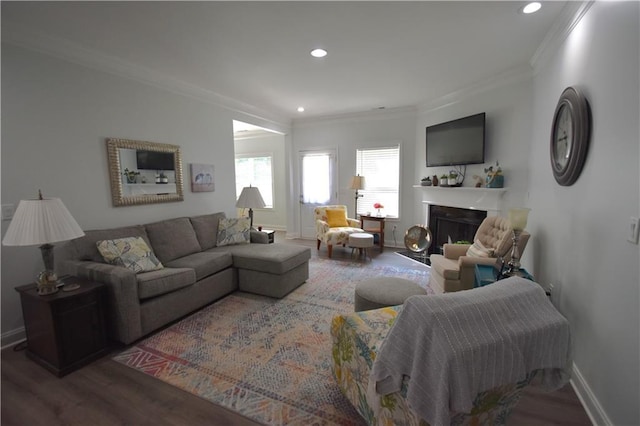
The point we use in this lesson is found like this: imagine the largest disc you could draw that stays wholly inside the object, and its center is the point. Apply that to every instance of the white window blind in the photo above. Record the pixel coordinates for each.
(255, 170)
(381, 170)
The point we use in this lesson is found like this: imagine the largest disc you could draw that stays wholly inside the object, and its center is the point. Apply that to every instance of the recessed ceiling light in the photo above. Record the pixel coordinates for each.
(318, 53)
(300, 109)
(532, 7)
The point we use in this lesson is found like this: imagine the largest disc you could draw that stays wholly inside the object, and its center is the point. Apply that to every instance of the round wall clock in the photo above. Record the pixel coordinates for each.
(570, 133)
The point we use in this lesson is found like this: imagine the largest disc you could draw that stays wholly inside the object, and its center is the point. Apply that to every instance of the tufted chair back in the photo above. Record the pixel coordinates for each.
(495, 231)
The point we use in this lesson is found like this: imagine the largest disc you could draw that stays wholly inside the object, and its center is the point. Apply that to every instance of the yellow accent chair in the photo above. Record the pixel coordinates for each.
(454, 270)
(333, 226)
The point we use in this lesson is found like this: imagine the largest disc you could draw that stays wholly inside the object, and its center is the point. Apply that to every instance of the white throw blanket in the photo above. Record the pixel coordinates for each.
(453, 346)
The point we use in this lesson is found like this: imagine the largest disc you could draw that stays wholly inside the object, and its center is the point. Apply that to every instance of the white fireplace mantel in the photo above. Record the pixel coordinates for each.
(488, 199)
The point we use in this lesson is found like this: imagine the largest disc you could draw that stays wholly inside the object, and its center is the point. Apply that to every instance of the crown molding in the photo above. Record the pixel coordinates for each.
(72, 52)
(376, 114)
(508, 77)
(569, 17)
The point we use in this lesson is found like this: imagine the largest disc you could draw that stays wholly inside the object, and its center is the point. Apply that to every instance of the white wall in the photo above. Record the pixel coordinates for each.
(55, 118)
(581, 230)
(273, 144)
(349, 133)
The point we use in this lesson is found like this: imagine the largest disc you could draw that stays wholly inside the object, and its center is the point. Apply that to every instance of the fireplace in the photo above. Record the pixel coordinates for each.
(452, 224)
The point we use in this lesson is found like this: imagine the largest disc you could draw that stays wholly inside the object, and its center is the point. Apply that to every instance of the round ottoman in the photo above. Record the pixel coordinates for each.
(361, 241)
(384, 291)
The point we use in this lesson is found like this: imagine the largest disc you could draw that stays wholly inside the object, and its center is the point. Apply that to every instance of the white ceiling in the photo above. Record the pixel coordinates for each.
(381, 54)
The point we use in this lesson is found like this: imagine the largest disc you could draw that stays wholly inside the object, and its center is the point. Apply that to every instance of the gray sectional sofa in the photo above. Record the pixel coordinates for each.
(196, 272)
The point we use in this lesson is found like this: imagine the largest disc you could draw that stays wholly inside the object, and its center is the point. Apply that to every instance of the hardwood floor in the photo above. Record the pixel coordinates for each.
(108, 393)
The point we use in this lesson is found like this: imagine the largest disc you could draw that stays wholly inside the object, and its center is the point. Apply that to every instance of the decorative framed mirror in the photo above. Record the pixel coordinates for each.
(143, 172)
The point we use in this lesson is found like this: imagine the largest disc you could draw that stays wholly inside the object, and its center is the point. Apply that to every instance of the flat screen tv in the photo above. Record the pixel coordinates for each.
(456, 142)
(153, 160)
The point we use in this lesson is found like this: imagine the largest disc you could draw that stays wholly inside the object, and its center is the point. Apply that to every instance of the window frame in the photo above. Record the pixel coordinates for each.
(270, 155)
(396, 145)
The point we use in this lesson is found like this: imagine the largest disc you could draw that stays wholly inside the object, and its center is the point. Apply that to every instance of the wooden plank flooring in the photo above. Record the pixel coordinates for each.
(108, 393)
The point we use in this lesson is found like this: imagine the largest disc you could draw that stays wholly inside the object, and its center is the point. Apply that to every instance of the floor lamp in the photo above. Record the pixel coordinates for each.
(250, 198)
(357, 183)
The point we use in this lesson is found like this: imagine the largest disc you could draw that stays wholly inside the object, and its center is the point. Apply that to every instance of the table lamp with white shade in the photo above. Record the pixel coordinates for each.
(42, 221)
(518, 219)
(250, 198)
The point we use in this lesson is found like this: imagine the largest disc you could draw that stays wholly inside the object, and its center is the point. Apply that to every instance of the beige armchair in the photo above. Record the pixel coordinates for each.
(454, 270)
(333, 227)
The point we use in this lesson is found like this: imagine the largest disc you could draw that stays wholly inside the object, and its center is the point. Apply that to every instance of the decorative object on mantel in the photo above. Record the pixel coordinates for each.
(479, 181)
(41, 222)
(495, 178)
(202, 178)
(570, 134)
(444, 179)
(518, 218)
(426, 181)
(452, 179)
(131, 175)
(435, 180)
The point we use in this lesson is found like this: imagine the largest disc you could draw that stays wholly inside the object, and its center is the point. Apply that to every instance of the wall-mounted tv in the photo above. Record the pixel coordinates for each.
(153, 160)
(456, 142)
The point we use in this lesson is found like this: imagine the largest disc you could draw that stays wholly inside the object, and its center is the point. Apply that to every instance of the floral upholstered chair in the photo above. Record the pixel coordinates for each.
(333, 227)
(358, 342)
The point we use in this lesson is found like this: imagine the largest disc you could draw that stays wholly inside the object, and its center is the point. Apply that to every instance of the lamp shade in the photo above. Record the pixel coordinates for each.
(41, 221)
(250, 198)
(518, 218)
(357, 182)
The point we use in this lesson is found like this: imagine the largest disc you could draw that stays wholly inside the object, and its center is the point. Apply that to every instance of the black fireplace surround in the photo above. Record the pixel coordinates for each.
(452, 223)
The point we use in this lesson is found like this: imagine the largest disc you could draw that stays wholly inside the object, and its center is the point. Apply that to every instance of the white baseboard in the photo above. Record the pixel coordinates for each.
(12, 337)
(591, 405)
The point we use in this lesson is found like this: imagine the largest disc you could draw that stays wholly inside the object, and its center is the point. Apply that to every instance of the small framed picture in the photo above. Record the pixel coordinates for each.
(202, 178)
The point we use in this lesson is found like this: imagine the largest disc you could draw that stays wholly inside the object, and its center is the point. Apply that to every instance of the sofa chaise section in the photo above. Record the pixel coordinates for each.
(274, 272)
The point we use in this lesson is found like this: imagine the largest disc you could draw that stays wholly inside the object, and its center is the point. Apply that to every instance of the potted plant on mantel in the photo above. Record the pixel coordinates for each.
(426, 181)
(452, 179)
(444, 180)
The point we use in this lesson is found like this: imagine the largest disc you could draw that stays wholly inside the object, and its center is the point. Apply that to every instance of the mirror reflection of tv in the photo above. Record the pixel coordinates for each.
(456, 142)
(153, 160)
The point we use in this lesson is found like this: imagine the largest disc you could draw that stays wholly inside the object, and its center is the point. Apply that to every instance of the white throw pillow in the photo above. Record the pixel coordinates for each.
(477, 249)
(233, 231)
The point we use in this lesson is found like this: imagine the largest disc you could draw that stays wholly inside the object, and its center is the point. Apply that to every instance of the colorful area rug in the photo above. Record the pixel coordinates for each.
(268, 359)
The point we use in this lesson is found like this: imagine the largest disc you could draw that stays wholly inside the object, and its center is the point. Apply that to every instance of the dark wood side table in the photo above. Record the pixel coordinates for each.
(374, 230)
(67, 329)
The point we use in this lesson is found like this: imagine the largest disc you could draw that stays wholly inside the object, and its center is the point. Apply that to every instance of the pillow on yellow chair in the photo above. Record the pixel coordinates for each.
(337, 218)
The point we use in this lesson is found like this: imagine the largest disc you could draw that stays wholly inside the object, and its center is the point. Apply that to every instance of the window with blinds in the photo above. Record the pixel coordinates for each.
(255, 170)
(381, 170)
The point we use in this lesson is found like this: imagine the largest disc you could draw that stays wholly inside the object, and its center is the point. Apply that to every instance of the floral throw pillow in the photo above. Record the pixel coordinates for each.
(477, 249)
(233, 231)
(131, 252)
